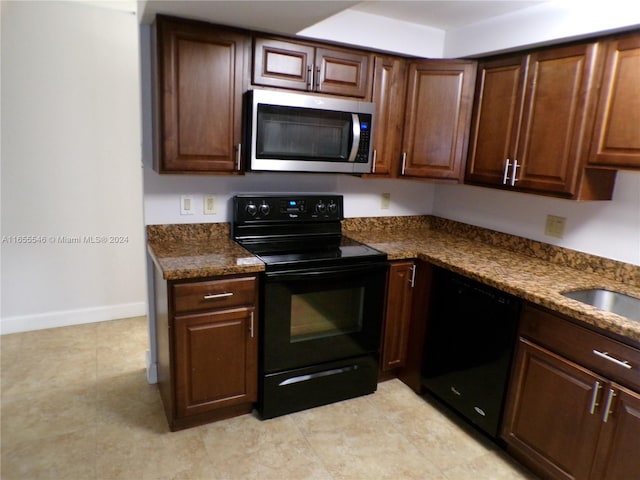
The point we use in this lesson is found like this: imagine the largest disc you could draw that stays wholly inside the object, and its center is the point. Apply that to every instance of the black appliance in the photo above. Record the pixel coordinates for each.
(322, 301)
(468, 347)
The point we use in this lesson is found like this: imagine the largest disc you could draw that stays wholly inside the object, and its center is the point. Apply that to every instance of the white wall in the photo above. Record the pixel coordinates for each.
(541, 24)
(536, 25)
(609, 229)
(71, 165)
(373, 31)
(162, 192)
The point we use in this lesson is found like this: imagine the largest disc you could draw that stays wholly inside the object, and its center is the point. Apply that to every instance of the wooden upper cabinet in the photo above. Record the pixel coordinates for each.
(309, 67)
(389, 86)
(282, 64)
(553, 144)
(496, 120)
(616, 137)
(437, 117)
(533, 115)
(199, 85)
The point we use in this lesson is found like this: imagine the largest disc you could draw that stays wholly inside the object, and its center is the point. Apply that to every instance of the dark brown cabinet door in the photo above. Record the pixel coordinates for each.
(342, 72)
(496, 119)
(215, 360)
(389, 86)
(308, 67)
(532, 119)
(283, 64)
(549, 417)
(398, 315)
(199, 81)
(616, 138)
(618, 457)
(438, 114)
(553, 144)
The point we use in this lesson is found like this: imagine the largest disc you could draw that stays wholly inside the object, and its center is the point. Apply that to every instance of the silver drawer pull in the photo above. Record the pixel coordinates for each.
(606, 356)
(213, 296)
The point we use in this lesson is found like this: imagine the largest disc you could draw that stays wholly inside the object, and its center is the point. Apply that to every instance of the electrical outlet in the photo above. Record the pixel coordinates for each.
(186, 204)
(209, 204)
(385, 201)
(555, 226)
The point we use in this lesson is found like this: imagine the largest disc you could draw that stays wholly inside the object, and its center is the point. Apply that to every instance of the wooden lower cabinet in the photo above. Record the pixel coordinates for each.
(549, 420)
(619, 444)
(397, 315)
(565, 421)
(215, 361)
(207, 338)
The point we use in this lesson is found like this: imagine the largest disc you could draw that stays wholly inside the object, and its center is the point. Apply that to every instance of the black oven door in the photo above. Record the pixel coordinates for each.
(320, 315)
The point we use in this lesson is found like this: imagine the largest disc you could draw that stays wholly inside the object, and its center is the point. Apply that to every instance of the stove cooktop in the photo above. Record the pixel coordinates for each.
(297, 231)
(290, 253)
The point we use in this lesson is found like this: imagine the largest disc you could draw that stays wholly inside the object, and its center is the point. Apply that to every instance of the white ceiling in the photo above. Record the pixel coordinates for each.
(443, 14)
(290, 17)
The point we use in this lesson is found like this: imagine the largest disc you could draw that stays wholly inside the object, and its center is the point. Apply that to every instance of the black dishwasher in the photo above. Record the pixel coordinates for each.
(469, 343)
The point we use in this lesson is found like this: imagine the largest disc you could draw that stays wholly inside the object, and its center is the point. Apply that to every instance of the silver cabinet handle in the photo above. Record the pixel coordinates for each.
(506, 172)
(373, 161)
(238, 156)
(318, 78)
(607, 407)
(251, 324)
(213, 296)
(309, 77)
(413, 276)
(513, 173)
(404, 162)
(594, 397)
(606, 356)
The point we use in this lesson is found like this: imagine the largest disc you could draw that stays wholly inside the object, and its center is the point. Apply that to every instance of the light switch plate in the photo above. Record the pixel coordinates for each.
(385, 201)
(209, 204)
(186, 204)
(555, 226)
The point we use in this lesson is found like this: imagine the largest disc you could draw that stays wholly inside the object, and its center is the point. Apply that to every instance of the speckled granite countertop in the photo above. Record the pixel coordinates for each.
(534, 271)
(198, 250)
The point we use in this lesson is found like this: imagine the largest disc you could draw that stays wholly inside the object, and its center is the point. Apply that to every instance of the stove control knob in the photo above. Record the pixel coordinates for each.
(251, 209)
(264, 208)
(333, 208)
(321, 207)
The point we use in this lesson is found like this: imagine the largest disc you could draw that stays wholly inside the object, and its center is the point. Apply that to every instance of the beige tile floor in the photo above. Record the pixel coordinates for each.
(76, 405)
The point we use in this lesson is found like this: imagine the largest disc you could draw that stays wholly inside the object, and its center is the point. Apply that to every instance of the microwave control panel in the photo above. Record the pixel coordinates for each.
(365, 138)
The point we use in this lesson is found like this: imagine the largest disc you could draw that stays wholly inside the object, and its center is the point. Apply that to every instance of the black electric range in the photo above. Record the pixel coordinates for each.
(297, 231)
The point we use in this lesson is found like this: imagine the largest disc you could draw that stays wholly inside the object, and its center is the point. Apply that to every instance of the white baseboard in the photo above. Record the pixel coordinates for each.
(65, 318)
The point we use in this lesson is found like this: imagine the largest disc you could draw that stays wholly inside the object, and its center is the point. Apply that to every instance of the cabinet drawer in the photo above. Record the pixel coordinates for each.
(597, 352)
(214, 294)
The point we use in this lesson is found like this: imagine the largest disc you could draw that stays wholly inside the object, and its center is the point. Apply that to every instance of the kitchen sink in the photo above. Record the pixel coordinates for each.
(609, 301)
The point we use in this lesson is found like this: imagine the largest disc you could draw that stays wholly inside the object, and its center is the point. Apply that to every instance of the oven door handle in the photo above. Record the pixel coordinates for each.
(293, 275)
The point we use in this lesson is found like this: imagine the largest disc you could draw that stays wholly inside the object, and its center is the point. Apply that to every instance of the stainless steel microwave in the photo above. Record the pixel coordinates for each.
(294, 132)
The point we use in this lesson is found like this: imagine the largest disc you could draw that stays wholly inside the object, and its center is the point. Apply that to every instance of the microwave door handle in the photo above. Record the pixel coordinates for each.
(355, 120)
